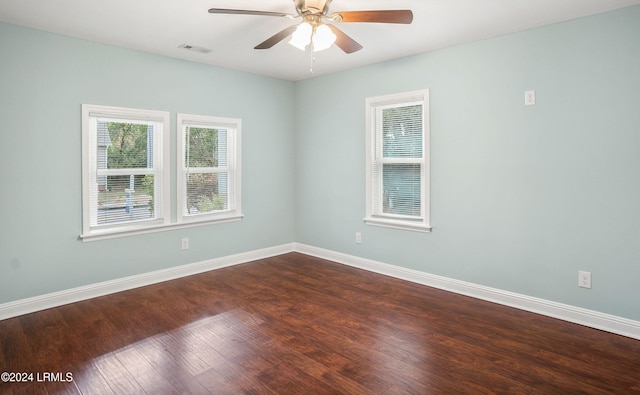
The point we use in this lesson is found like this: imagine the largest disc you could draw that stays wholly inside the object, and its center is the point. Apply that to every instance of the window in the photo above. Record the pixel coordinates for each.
(125, 177)
(209, 177)
(398, 161)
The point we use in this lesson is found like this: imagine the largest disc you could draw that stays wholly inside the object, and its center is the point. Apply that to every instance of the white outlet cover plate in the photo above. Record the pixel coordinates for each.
(529, 98)
(584, 279)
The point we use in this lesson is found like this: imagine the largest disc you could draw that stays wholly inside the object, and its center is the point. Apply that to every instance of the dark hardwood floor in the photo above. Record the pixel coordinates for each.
(295, 324)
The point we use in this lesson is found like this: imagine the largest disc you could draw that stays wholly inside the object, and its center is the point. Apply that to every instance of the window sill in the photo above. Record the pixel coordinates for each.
(398, 224)
(111, 234)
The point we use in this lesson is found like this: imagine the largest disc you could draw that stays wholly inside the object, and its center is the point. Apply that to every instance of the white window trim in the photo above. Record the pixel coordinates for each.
(422, 223)
(89, 167)
(234, 162)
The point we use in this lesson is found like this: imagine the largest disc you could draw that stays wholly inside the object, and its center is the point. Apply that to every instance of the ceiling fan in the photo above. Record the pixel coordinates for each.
(314, 31)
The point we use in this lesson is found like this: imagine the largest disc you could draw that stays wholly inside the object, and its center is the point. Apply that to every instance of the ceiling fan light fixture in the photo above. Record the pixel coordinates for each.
(323, 38)
(313, 31)
(302, 36)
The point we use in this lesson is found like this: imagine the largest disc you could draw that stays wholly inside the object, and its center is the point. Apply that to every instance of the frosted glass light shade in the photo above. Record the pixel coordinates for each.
(302, 36)
(323, 38)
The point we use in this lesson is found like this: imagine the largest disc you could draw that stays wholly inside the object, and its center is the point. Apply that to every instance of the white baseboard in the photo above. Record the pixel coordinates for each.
(594, 319)
(54, 299)
(578, 315)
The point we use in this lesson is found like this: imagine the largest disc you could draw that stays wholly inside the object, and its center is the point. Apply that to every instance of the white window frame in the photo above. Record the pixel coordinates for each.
(374, 160)
(90, 171)
(233, 126)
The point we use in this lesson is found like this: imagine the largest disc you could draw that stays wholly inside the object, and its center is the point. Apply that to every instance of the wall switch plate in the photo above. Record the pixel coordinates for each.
(358, 238)
(185, 243)
(529, 98)
(584, 279)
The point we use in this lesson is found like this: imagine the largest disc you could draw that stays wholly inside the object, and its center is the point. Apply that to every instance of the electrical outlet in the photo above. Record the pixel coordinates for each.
(584, 279)
(185, 243)
(358, 238)
(529, 98)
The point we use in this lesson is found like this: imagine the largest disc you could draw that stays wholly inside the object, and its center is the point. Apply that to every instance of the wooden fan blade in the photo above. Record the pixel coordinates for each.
(276, 38)
(344, 42)
(378, 16)
(246, 12)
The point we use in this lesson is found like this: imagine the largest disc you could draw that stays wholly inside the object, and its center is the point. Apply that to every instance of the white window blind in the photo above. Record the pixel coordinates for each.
(397, 161)
(209, 173)
(124, 178)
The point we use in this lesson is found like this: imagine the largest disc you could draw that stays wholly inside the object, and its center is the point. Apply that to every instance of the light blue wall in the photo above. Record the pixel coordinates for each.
(522, 197)
(44, 79)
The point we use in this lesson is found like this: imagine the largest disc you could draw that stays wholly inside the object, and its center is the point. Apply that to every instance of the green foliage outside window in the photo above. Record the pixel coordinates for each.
(203, 151)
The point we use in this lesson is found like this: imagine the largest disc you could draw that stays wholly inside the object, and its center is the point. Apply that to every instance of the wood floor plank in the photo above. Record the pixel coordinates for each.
(117, 375)
(16, 354)
(167, 369)
(183, 352)
(135, 359)
(295, 324)
(90, 381)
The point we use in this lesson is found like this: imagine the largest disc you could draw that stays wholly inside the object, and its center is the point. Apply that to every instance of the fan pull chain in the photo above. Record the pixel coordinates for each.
(312, 59)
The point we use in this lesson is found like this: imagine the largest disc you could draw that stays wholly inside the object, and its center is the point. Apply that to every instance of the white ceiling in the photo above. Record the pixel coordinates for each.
(161, 26)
